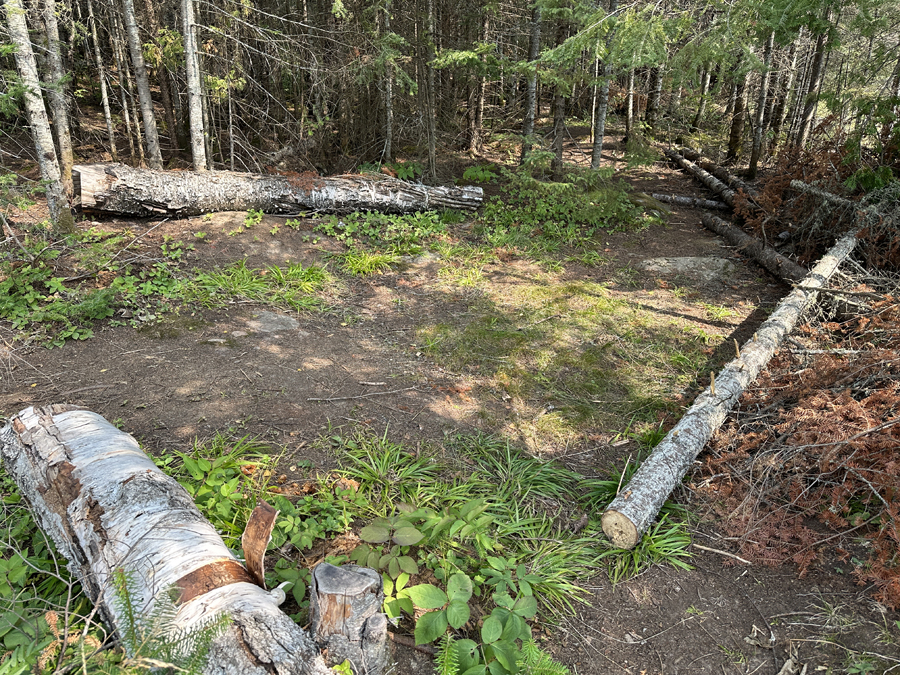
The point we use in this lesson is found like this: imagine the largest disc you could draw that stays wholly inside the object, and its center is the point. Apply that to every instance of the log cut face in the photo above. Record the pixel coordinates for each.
(107, 507)
(124, 190)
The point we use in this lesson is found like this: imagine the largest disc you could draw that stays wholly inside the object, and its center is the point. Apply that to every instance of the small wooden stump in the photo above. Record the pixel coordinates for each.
(345, 612)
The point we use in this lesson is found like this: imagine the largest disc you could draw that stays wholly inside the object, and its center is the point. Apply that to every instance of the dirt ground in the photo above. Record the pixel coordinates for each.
(256, 371)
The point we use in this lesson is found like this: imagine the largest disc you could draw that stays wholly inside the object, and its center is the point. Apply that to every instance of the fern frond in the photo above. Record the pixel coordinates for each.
(446, 662)
(535, 661)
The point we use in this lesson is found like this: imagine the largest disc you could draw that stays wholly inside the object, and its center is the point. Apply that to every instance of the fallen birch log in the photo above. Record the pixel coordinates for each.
(123, 190)
(766, 256)
(691, 201)
(718, 171)
(637, 504)
(110, 511)
(710, 181)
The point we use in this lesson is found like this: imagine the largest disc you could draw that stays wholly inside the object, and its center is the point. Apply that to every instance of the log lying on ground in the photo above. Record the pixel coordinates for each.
(719, 172)
(691, 201)
(710, 181)
(108, 507)
(123, 190)
(638, 503)
(766, 256)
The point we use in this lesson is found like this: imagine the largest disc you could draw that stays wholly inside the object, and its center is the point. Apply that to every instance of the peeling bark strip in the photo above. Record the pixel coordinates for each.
(636, 506)
(124, 190)
(107, 507)
(710, 181)
(766, 256)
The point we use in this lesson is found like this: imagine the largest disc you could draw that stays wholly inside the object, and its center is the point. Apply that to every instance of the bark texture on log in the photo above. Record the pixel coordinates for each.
(710, 181)
(345, 613)
(124, 190)
(107, 507)
(691, 201)
(766, 256)
(638, 503)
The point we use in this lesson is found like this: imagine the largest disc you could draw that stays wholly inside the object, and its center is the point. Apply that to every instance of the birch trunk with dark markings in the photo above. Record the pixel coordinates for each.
(123, 190)
(691, 201)
(637, 504)
(766, 256)
(107, 507)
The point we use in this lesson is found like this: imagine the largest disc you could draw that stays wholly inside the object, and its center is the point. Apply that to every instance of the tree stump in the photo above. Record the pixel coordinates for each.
(345, 613)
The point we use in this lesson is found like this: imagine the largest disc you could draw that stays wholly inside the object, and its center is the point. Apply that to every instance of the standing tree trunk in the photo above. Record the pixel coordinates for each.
(704, 95)
(57, 202)
(810, 101)
(736, 135)
(602, 107)
(653, 103)
(101, 73)
(57, 91)
(143, 85)
(388, 154)
(534, 48)
(784, 94)
(126, 92)
(430, 93)
(758, 128)
(194, 91)
(559, 132)
(629, 104)
(162, 77)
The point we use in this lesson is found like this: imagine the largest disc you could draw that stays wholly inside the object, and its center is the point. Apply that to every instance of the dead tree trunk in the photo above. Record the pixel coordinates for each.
(710, 181)
(123, 190)
(766, 256)
(345, 613)
(108, 508)
(636, 506)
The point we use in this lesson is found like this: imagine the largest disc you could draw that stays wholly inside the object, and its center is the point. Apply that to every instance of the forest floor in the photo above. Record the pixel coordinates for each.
(251, 370)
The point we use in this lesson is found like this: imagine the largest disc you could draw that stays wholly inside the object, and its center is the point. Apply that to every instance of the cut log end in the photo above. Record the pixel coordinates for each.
(620, 530)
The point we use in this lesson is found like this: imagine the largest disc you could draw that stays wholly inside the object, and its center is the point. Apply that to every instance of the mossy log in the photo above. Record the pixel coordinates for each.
(107, 507)
(638, 503)
(766, 256)
(118, 189)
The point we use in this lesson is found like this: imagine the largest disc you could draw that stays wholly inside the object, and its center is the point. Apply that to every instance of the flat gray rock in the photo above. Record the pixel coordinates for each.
(706, 268)
(270, 322)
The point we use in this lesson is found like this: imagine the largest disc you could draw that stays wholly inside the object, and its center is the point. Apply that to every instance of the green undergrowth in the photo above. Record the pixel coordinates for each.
(571, 355)
(475, 541)
(538, 217)
(293, 286)
(58, 289)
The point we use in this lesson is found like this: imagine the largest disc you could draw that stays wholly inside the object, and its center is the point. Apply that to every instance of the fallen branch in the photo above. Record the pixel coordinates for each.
(636, 506)
(725, 553)
(351, 398)
(690, 201)
(766, 256)
(124, 190)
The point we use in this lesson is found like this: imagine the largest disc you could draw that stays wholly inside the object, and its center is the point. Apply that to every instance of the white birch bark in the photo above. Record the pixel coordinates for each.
(107, 507)
(57, 202)
(636, 506)
(143, 85)
(120, 189)
(194, 89)
(57, 95)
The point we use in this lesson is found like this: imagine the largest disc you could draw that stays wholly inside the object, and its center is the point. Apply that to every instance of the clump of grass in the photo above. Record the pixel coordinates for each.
(361, 263)
(294, 286)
